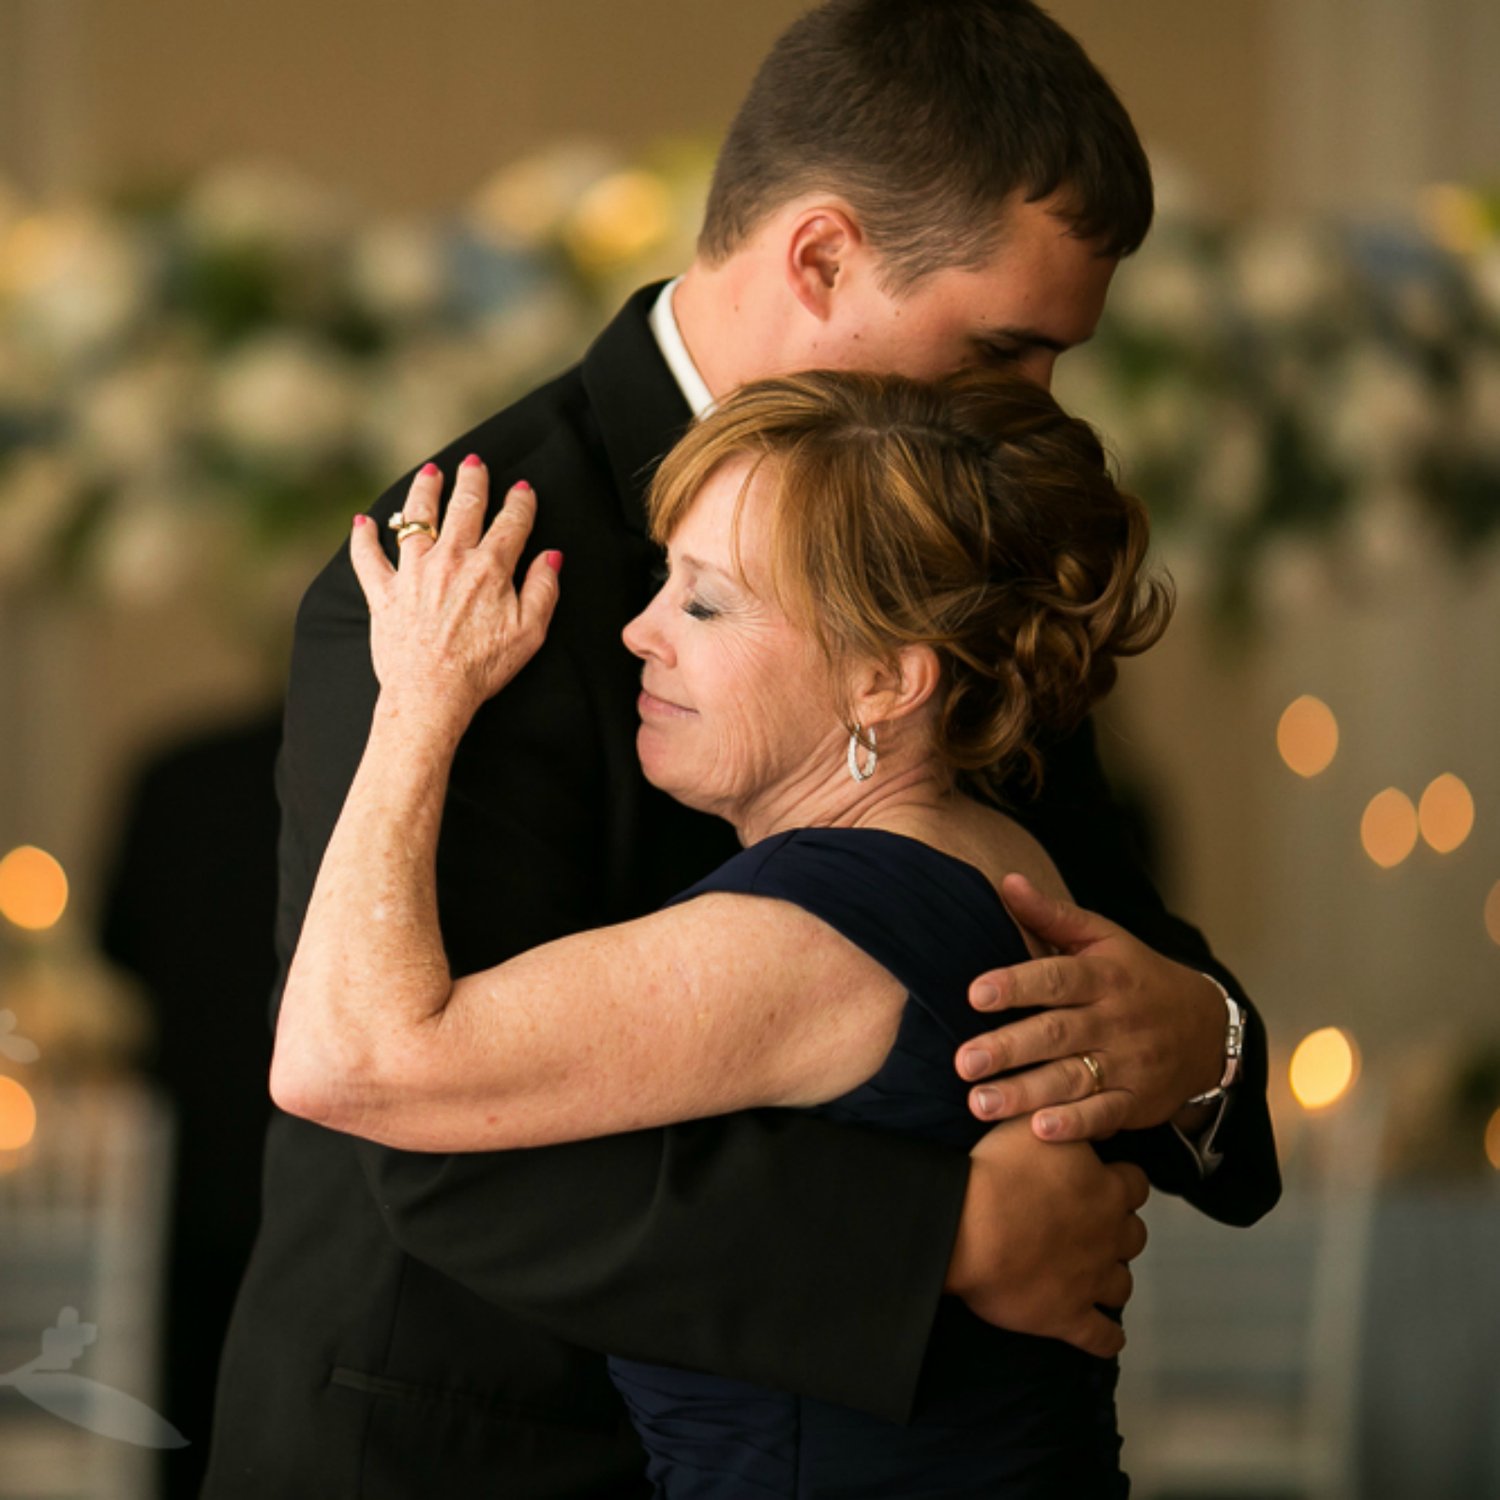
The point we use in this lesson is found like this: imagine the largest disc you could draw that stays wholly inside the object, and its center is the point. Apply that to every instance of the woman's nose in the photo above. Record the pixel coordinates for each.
(643, 636)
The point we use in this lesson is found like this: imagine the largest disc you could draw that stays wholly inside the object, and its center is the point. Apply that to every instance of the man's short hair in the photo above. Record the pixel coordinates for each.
(927, 116)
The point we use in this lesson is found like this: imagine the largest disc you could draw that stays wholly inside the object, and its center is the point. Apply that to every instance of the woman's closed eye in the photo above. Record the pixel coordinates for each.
(699, 610)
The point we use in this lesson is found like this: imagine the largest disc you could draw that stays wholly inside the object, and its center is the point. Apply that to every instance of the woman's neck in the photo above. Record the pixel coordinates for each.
(892, 795)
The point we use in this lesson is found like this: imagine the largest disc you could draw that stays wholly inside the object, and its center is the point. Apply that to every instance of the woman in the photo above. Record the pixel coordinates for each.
(881, 593)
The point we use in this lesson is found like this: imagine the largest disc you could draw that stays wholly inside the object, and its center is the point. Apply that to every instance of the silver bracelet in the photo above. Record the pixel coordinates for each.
(1234, 1046)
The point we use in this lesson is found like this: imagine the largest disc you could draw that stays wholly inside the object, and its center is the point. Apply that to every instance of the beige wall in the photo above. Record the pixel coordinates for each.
(412, 105)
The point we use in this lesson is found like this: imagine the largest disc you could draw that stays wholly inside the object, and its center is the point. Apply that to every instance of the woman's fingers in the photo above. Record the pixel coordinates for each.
(371, 566)
(421, 505)
(538, 594)
(507, 532)
(464, 521)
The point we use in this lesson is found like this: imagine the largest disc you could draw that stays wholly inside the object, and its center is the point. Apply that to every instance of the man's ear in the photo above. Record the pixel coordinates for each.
(882, 695)
(823, 239)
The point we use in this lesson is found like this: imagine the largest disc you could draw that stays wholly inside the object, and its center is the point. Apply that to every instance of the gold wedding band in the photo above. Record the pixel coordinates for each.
(1092, 1064)
(404, 528)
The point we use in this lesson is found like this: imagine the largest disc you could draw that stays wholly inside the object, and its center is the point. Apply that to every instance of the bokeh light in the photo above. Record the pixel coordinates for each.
(1492, 1140)
(33, 888)
(618, 219)
(1323, 1067)
(1446, 813)
(1388, 829)
(17, 1115)
(1492, 913)
(1308, 735)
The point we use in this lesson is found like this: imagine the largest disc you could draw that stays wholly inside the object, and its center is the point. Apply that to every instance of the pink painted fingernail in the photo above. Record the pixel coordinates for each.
(555, 561)
(521, 484)
(973, 1063)
(361, 520)
(473, 461)
(428, 470)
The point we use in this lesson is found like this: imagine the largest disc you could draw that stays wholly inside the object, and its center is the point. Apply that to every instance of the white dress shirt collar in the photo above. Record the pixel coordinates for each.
(675, 352)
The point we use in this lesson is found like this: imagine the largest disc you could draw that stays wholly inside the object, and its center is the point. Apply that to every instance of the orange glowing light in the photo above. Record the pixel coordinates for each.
(1323, 1067)
(1446, 813)
(1308, 736)
(1492, 1140)
(17, 1115)
(1388, 829)
(33, 888)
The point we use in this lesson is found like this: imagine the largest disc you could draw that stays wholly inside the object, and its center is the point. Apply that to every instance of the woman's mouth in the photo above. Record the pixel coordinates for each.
(650, 706)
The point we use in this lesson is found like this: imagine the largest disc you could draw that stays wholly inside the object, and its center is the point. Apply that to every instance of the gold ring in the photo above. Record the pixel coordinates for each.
(1091, 1063)
(415, 528)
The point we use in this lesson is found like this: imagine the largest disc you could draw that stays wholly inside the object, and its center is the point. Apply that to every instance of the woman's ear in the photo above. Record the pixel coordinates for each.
(822, 241)
(883, 695)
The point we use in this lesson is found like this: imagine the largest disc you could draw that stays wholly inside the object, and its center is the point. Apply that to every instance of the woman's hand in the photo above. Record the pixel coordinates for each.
(448, 628)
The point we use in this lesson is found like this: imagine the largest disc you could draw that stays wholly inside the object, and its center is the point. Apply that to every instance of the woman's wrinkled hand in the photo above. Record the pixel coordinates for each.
(448, 627)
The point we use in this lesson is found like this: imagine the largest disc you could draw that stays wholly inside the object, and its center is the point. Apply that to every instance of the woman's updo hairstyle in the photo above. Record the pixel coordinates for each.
(969, 514)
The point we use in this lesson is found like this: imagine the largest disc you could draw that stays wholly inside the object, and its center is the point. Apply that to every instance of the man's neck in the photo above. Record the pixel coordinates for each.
(734, 330)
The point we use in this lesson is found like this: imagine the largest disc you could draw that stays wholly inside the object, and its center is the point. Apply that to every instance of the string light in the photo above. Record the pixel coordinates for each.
(1446, 813)
(1388, 829)
(33, 888)
(1323, 1068)
(17, 1115)
(1307, 735)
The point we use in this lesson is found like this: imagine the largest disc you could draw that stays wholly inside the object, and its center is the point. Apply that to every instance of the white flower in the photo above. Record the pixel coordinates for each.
(157, 544)
(526, 203)
(40, 494)
(136, 418)
(250, 203)
(1486, 269)
(1285, 276)
(1232, 468)
(1382, 414)
(283, 398)
(1479, 405)
(79, 282)
(1168, 291)
(400, 270)
(425, 395)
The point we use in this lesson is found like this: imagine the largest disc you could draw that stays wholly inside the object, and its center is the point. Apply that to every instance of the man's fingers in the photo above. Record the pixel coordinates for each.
(1137, 1185)
(371, 566)
(1060, 923)
(1060, 1082)
(1063, 980)
(1133, 1237)
(1117, 1286)
(1098, 1335)
(1044, 1038)
(1093, 1119)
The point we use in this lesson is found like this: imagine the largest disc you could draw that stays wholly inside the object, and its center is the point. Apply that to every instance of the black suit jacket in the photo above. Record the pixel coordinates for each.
(430, 1325)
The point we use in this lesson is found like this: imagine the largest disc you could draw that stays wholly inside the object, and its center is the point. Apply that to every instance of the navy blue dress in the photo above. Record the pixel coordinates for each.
(997, 1414)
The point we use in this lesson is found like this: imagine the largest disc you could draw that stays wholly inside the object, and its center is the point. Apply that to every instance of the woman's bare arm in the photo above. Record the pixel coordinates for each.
(721, 1003)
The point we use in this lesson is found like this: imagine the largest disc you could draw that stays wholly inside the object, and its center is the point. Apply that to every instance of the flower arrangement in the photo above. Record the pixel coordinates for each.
(197, 388)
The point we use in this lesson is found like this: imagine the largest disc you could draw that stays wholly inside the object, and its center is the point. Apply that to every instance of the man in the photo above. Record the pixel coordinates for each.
(907, 187)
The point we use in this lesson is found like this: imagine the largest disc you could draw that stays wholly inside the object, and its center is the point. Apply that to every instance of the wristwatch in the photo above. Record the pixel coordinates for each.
(1234, 1046)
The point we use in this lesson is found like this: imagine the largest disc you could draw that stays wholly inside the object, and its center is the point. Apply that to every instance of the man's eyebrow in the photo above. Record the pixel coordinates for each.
(1030, 337)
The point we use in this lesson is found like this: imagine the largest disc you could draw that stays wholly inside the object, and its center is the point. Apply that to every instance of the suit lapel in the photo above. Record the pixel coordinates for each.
(640, 410)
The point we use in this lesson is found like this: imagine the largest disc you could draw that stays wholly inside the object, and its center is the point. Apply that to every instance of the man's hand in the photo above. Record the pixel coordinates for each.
(1154, 1028)
(1045, 1236)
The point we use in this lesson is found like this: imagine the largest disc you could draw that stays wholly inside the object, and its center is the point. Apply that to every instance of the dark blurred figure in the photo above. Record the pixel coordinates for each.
(189, 909)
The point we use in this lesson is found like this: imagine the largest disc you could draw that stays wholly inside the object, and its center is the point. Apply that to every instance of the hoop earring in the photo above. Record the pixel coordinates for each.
(856, 744)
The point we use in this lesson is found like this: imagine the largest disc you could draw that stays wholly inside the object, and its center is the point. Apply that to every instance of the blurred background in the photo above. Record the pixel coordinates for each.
(255, 262)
